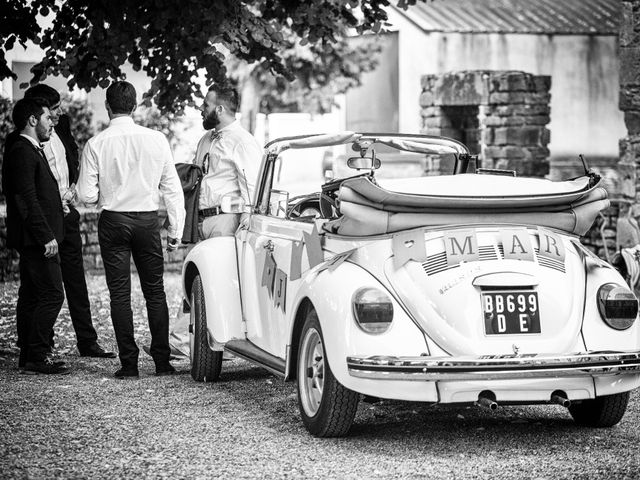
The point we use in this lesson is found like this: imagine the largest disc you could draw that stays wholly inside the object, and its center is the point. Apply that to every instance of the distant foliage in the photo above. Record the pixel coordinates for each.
(80, 117)
(6, 126)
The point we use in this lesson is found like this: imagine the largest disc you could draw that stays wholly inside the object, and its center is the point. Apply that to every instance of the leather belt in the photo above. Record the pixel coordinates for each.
(210, 212)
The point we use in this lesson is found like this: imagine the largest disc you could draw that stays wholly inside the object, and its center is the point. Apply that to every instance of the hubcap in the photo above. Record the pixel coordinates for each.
(311, 372)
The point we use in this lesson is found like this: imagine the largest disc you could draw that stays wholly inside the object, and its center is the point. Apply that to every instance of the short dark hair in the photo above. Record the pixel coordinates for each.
(41, 90)
(121, 97)
(25, 108)
(227, 96)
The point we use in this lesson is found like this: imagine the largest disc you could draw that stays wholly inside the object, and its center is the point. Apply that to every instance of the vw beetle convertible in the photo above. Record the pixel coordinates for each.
(453, 289)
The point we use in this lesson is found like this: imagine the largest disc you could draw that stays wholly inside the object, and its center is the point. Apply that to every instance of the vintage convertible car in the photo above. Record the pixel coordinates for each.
(453, 289)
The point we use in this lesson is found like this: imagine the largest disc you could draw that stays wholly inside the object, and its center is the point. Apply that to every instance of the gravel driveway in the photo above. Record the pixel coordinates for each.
(89, 425)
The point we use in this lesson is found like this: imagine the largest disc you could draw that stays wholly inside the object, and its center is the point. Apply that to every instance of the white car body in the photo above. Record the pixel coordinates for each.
(441, 267)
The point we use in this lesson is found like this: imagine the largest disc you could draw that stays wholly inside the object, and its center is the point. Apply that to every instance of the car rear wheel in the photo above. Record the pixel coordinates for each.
(327, 408)
(205, 363)
(603, 411)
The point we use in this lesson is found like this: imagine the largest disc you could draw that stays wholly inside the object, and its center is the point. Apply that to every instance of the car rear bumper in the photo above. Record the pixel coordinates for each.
(494, 367)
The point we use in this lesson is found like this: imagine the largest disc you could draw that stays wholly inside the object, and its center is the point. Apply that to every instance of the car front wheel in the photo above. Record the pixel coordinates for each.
(605, 411)
(205, 363)
(327, 408)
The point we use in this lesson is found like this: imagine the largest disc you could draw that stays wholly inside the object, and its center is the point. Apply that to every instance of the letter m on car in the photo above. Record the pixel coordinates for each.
(461, 246)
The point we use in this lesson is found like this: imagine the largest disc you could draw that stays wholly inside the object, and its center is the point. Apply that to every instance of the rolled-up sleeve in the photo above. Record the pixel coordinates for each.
(247, 158)
(88, 188)
(171, 189)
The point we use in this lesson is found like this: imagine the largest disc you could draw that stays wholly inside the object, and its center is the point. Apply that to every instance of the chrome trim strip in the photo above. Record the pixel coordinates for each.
(498, 367)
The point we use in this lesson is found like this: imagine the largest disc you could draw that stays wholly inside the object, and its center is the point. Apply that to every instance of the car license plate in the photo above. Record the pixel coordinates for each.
(510, 312)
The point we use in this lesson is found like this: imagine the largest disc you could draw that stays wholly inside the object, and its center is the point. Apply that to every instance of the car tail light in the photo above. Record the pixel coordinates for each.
(373, 310)
(618, 306)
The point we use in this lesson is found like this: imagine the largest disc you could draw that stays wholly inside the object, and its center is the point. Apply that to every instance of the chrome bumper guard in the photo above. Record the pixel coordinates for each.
(495, 367)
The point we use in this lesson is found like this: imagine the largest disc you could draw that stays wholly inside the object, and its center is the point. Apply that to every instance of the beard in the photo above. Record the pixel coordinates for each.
(211, 121)
(43, 133)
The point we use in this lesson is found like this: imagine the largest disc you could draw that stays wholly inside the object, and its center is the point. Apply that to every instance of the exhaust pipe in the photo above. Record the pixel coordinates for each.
(560, 399)
(486, 400)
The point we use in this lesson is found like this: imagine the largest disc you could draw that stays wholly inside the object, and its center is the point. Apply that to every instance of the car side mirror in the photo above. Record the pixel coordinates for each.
(278, 203)
(363, 163)
(232, 204)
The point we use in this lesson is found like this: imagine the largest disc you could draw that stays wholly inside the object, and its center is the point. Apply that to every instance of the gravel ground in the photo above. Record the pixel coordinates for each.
(89, 425)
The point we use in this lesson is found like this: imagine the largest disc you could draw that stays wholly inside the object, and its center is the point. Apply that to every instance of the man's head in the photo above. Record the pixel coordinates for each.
(50, 95)
(121, 99)
(219, 107)
(31, 116)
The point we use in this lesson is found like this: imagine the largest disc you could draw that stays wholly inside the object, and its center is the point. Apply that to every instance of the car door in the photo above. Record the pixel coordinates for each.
(272, 259)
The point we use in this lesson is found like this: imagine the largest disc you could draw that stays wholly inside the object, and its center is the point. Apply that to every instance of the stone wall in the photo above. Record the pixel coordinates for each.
(91, 249)
(629, 41)
(511, 111)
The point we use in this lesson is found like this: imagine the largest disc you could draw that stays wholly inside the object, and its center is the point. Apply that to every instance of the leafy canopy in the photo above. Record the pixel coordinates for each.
(89, 41)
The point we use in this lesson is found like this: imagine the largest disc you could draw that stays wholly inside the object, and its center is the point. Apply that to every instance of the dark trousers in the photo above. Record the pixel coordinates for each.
(75, 284)
(122, 235)
(40, 298)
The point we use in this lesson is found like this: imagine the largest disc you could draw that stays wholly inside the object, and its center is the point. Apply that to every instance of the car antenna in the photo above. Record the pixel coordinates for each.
(584, 165)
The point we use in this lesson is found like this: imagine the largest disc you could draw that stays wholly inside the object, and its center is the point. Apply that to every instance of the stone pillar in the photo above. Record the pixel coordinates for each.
(514, 130)
(500, 114)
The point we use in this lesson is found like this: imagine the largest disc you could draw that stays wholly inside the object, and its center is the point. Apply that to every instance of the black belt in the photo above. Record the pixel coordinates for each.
(210, 212)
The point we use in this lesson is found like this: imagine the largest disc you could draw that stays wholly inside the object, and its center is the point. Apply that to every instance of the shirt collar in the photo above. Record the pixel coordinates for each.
(125, 120)
(215, 134)
(32, 140)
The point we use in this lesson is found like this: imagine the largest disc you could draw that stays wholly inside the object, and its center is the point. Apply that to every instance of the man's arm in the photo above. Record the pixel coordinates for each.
(21, 171)
(63, 129)
(88, 189)
(171, 189)
(247, 161)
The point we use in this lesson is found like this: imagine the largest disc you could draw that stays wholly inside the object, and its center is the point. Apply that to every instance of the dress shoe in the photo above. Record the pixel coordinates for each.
(95, 351)
(22, 359)
(55, 361)
(126, 373)
(46, 367)
(174, 355)
(164, 370)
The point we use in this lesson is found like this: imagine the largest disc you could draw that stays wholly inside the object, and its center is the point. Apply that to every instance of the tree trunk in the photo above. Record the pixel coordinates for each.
(249, 103)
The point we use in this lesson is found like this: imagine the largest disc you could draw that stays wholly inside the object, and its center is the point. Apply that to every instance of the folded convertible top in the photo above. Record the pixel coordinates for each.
(368, 208)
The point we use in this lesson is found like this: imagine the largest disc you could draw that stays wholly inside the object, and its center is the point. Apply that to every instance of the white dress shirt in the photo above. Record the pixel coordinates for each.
(126, 167)
(57, 158)
(234, 159)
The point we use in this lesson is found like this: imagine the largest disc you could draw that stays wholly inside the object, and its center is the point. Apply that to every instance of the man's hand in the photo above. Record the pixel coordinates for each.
(172, 244)
(51, 248)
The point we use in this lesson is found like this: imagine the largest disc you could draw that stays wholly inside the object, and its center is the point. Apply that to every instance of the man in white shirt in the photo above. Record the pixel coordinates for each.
(61, 152)
(125, 169)
(230, 157)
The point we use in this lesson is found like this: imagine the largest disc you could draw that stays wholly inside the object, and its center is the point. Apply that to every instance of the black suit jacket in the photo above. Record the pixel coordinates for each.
(63, 129)
(34, 208)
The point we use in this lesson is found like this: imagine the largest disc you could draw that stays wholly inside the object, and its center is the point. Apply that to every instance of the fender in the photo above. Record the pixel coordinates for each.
(331, 294)
(215, 260)
(596, 333)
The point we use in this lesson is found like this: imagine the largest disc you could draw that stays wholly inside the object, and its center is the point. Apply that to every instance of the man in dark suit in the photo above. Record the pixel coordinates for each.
(34, 228)
(62, 155)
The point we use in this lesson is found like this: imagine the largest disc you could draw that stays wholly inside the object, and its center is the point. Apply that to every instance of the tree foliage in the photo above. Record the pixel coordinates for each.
(89, 41)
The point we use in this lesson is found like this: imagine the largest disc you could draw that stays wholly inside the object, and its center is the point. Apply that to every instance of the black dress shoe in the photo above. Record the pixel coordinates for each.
(126, 373)
(165, 370)
(53, 361)
(174, 355)
(46, 367)
(95, 351)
